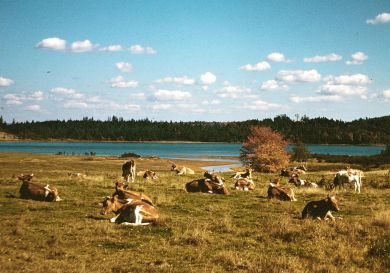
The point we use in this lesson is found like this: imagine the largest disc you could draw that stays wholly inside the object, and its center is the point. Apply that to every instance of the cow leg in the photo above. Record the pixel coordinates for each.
(329, 215)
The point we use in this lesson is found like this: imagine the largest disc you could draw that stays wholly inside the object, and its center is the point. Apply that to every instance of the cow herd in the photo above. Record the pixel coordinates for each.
(134, 208)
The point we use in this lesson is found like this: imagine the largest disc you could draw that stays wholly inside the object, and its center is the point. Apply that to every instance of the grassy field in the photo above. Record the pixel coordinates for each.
(241, 232)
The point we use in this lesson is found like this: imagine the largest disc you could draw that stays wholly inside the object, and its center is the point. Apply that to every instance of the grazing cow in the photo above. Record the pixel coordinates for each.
(348, 176)
(34, 191)
(181, 169)
(128, 171)
(244, 184)
(280, 192)
(129, 212)
(245, 174)
(150, 175)
(302, 183)
(321, 209)
(122, 193)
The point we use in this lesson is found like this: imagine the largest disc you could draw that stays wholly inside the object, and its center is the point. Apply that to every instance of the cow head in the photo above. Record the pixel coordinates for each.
(332, 203)
(173, 168)
(274, 183)
(26, 177)
(110, 204)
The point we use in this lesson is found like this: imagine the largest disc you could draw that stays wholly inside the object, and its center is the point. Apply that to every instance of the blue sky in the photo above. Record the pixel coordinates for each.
(194, 60)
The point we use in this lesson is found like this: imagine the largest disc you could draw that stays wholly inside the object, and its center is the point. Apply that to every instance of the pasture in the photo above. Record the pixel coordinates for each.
(240, 232)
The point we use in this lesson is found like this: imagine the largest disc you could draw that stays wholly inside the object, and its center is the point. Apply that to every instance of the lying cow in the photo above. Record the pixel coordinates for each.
(244, 184)
(26, 177)
(181, 169)
(212, 183)
(288, 173)
(34, 191)
(245, 174)
(76, 175)
(128, 171)
(302, 183)
(123, 193)
(348, 176)
(275, 190)
(129, 212)
(321, 209)
(150, 175)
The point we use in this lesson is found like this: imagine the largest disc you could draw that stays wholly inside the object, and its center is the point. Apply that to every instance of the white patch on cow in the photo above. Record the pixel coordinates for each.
(272, 184)
(246, 189)
(210, 191)
(129, 200)
(113, 219)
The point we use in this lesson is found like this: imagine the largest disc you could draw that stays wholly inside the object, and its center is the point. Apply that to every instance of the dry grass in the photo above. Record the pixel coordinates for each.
(241, 232)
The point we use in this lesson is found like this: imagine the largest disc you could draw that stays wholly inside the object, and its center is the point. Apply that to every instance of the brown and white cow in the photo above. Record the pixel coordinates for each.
(150, 175)
(129, 212)
(288, 172)
(35, 191)
(302, 183)
(123, 193)
(321, 209)
(128, 171)
(212, 183)
(245, 174)
(181, 169)
(284, 193)
(76, 175)
(348, 176)
(244, 184)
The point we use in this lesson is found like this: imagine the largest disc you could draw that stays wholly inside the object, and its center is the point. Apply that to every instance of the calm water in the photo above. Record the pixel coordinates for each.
(166, 150)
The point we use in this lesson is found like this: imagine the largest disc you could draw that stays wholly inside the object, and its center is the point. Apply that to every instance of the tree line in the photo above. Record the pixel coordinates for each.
(318, 130)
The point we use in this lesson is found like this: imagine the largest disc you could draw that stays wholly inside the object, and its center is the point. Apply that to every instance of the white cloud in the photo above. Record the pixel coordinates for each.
(13, 99)
(139, 96)
(332, 98)
(207, 78)
(52, 43)
(82, 46)
(14, 102)
(124, 67)
(19, 99)
(63, 91)
(386, 94)
(357, 58)
(112, 48)
(382, 18)
(179, 80)
(119, 82)
(261, 105)
(327, 58)
(172, 95)
(138, 49)
(277, 57)
(261, 66)
(34, 108)
(38, 95)
(76, 104)
(212, 102)
(342, 89)
(231, 91)
(161, 106)
(294, 76)
(273, 85)
(356, 79)
(5, 82)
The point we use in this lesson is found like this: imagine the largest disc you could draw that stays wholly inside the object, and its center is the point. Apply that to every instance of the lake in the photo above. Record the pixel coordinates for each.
(167, 150)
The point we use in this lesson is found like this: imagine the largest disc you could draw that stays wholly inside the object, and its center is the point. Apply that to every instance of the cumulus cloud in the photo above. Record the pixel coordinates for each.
(356, 79)
(38, 95)
(75, 104)
(207, 78)
(120, 82)
(112, 48)
(357, 58)
(295, 76)
(13, 99)
(34, 108)
(53, 43)
(4, 82)
(382, 18)
(171, 95)
(331, 98)
(161, 106)
(139, 96)
(82, 46)
(386, 93)
(212, 102)
(273, 85)
(178, 80)
(261, 66)
(326, 58)
(124, 67)
(20, 98)
(67, 92)
(342, 89)
(232, 91)
(277, 57)
(138, 49)
(260, 105)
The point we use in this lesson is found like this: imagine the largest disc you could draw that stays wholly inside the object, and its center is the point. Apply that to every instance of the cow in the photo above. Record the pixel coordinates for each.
(214, 177)
(321, 209)
(348, 176)
(302, 183)
(288, 172)
(123, 193)
(129, 212)
(76, 175)
(244, 184)
(212, 183)
(275, 190)
(150, 175)
(38, 192)
(181, 169)
(128, 171)
(245, 174)
(26, 177)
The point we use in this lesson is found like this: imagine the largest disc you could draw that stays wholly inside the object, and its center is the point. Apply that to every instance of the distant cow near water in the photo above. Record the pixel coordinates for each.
(181, 169)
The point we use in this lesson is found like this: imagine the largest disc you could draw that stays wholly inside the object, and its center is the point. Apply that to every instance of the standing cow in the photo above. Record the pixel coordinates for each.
(348, 176)
(128, 171)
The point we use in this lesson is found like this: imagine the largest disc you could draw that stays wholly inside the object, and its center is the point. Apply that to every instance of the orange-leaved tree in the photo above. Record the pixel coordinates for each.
(264, 150)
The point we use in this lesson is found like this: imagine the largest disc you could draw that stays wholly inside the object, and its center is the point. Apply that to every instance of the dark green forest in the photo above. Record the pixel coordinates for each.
(319, 130)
